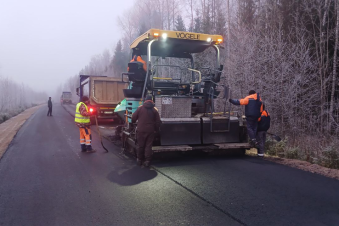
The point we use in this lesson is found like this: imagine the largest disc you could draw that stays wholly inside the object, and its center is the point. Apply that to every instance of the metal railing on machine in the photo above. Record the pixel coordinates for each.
(181, 71)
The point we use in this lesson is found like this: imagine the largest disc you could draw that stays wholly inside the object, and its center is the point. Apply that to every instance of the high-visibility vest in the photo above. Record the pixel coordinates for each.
(80, 118)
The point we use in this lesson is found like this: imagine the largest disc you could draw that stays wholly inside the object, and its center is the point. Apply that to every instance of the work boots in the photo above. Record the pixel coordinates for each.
(139, 162)
(83, 148)
(90, 149)
(147, 163)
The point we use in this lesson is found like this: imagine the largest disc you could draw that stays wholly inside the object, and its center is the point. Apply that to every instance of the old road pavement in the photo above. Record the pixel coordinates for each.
(45, 180)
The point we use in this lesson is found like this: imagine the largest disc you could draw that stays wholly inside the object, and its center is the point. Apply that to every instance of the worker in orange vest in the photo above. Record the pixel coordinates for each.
(253, 109)
(83, 121)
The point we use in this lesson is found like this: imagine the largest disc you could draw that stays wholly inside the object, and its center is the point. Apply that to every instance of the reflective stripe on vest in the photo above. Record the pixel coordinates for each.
(80, 118)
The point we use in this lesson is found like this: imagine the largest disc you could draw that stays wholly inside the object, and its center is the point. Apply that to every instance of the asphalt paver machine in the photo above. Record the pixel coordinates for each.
(183, 94)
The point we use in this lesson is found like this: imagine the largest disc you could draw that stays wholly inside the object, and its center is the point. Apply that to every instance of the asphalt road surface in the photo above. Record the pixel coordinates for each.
(46, 180)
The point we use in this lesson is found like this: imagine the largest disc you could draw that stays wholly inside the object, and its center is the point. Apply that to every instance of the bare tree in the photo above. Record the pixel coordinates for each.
(334, 73)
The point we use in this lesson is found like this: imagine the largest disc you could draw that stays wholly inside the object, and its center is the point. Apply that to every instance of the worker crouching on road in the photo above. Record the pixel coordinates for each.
(83, 121)
(253, 111)
(148, 124)
(264, 123)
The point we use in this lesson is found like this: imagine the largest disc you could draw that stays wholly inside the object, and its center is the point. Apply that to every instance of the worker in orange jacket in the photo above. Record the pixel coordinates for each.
(264, 123)
(138, 58)
(253, 109)
(83, 121)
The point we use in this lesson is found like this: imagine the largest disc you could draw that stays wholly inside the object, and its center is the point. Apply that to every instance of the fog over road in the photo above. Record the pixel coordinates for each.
(46, 180)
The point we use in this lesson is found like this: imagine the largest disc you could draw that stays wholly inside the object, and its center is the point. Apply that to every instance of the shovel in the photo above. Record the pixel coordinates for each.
(275, 137)
(96, 121)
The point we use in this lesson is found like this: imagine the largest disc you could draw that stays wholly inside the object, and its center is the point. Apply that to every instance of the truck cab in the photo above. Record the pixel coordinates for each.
(66, 98)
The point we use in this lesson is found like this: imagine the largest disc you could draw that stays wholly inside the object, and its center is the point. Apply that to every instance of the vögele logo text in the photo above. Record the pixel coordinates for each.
(187, 35)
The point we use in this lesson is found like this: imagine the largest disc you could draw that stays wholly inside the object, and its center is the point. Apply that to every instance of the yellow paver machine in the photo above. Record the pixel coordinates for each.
(184, 94)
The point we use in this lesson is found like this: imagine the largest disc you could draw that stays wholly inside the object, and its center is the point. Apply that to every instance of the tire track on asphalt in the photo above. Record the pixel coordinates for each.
(200, 197)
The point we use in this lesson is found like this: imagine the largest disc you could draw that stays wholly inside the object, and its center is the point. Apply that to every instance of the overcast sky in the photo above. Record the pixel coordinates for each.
(43, 42)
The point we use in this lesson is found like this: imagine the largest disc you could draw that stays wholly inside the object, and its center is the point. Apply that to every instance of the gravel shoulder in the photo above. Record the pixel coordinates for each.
(9, 129)
(306, 166)
(303, 165)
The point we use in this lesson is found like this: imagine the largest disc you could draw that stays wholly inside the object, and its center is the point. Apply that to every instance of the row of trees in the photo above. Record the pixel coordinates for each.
(105, 64)
(285, 49)
(288, 51)
(15, 97)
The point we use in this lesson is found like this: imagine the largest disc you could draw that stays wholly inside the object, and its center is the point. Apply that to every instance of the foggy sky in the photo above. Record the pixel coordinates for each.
(42, 43)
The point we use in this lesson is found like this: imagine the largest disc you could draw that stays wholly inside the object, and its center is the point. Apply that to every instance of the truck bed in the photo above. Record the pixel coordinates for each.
(106, 90)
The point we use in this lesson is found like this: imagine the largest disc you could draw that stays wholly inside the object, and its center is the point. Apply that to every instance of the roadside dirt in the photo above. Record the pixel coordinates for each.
(9, 128)
(303, 165)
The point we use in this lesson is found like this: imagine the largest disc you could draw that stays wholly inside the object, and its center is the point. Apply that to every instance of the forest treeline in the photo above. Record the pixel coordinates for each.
(15, 98)
(284, 49)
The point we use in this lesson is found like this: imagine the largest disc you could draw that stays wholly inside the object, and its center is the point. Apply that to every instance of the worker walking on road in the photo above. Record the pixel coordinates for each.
(148, 124)
(83, 121)
(49, 104)
(253, 111)
(264, 123)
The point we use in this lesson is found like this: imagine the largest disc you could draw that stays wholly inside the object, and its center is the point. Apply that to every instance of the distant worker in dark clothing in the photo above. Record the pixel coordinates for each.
(49, 104)
(253, 111)
(137, 58)
(264, 123)
(148, 124)
(83, 121)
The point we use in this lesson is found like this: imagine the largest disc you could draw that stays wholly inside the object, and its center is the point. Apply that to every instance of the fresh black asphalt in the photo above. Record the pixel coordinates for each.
(46, 180)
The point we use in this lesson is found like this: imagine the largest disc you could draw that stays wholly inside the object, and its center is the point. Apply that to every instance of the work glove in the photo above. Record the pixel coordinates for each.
(232, 101)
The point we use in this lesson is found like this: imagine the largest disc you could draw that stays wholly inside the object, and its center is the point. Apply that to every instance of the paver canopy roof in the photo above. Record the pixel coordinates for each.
(174, 43)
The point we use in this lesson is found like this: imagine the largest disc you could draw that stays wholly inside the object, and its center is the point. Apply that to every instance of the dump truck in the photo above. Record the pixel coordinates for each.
(66, 98)
(184, 95)
(104, 94)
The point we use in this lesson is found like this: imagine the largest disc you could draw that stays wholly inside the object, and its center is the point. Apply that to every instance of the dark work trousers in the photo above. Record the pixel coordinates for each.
(261, 139)
(49, 111)
(252, 126)
(145, 142)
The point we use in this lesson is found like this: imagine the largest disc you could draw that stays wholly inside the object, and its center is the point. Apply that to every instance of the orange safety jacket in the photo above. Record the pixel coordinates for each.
(139, 59)
(253, 105)
(264, 113)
